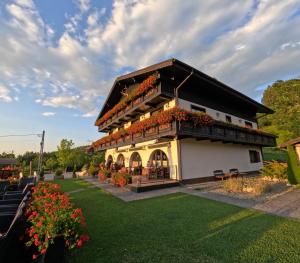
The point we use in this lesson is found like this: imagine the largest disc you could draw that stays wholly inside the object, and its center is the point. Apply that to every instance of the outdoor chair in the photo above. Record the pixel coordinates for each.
(12, 205)
(219, 174)
(3, 186)
(17, 194)
(236, 172)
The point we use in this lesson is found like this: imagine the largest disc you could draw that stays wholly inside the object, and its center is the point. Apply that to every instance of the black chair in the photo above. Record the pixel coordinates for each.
(17, 194)
(219, 174)
(12, 205)
(234, 172)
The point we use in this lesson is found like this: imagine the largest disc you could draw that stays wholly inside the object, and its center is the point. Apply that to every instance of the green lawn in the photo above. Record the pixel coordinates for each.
(180, 228)
(274, 154)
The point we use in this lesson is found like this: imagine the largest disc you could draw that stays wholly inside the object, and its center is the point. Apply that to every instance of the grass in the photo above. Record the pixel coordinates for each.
(274, 154)
(180, 228)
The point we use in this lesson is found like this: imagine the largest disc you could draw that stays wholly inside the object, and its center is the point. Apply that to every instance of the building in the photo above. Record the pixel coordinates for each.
(170, 120)
(7, 167)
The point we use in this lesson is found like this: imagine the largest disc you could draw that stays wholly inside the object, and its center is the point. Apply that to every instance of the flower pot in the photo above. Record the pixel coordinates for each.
(55, 252)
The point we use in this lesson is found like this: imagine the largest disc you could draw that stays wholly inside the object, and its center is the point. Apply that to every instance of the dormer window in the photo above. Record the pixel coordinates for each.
(228, 119)
(198, 109)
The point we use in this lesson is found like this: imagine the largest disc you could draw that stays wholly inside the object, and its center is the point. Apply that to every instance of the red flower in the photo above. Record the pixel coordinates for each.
(36, 236)
(39, 224)
(34, 256)
(79, 243)
(43, 251)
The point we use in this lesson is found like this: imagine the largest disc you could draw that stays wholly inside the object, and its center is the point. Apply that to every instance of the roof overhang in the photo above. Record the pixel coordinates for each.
(140, 74)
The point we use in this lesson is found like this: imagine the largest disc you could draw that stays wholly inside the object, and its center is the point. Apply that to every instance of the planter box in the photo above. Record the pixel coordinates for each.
(68, 175)
(55, 253)
(120, 113)
(137, 135)
(48, 177)
(128, 138)
(164, 127)
(137, 101)
(128, 107)
(151, 131)
(150, 92)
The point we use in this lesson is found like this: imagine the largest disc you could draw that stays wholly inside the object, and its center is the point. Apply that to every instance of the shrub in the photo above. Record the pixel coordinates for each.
(103, 174)
(293, 166)
(274, 170)
(58, 172)
(233, 185)
(50, 215)
(248, 185)
(93, 170)
(120, 178)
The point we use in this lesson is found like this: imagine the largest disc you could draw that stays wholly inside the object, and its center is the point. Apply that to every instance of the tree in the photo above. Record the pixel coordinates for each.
(7, 155)
(284, 98)
(78, 158)
(97, 158)
(64, 153)
(51, 164)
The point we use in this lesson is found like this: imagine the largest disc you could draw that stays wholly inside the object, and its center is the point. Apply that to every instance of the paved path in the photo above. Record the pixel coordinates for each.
(286, 205)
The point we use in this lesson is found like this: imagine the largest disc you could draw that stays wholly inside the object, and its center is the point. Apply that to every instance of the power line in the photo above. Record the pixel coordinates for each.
(21, 135)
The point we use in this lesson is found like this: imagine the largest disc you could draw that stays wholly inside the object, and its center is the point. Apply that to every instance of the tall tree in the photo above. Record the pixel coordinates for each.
(64, 153)
(284, 98)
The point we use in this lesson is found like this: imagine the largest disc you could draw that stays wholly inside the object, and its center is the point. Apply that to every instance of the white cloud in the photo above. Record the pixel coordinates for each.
(242, 47)
(83, 5)
(92, 113)
(48, 114)
(4, 94)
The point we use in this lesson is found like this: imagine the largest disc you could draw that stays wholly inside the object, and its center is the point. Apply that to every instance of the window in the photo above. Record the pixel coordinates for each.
(228, 119)
(254, 156)
(217, 114)
(248, 124)
(240, 121)
(197, 109)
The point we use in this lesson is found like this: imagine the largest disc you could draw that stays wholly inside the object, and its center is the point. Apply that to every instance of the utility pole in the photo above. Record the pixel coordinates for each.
(40, 163)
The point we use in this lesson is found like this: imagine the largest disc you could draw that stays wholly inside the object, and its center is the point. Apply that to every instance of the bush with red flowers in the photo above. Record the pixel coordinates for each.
(120, 178)
(103, 174)
(51, 215)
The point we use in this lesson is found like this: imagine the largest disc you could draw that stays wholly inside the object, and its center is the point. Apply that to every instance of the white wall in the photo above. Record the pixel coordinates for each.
(201, 158)
(213, 113)
(297, 148)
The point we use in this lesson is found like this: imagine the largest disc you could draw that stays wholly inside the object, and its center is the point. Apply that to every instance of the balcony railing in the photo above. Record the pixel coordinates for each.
(131, 108)
(219, 131)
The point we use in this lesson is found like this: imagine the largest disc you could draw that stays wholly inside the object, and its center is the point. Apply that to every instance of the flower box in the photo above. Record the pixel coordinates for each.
(137, 101)
(150, 92)
(151, 131)
(120, 113)
(127, 138)
(128, 107)
(55, 252)
(166, 126)
(114, 116)
(113, 142)
(120, 140)
(137, 135)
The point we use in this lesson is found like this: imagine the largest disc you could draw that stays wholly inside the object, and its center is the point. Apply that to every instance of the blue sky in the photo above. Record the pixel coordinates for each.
(59, 58)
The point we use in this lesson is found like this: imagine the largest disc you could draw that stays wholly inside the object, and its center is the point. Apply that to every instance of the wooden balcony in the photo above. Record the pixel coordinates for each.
(219, 131)
(227, 133)
(136, 107)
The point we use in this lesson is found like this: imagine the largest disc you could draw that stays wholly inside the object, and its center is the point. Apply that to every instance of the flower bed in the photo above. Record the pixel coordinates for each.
(145, 86)
(51, 215)
(163, 119)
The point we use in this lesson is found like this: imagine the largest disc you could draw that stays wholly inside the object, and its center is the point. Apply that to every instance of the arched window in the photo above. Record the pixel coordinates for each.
(121, 160)
(109, 161)
(135, 160)
(158, 159)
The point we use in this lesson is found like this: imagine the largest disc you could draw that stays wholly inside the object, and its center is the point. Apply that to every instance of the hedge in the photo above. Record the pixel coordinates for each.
(293, 166)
